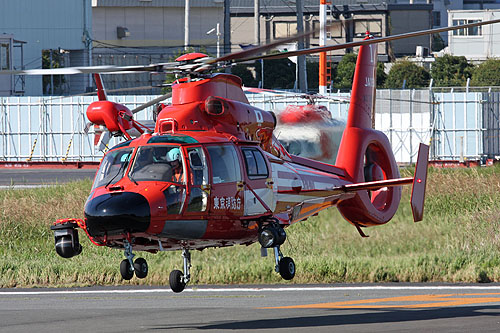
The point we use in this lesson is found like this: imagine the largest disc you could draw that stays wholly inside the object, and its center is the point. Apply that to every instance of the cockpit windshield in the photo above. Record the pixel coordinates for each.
(113, 167)
(158, 163)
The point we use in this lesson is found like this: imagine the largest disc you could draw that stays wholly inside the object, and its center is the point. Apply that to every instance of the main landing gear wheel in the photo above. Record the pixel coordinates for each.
(141, 268)
(126, 269)
(287, 268)
(272, 236)
(176, 281)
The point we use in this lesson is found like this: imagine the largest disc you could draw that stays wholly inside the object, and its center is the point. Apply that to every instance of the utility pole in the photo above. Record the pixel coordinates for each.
(227, 26)
(51, 76)
(186, 25)
(217, 31)
(256, 15)
(256, 18)
(301, 60)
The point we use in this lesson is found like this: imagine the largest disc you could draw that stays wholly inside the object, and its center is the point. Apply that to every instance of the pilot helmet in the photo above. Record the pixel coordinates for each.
(174, 155)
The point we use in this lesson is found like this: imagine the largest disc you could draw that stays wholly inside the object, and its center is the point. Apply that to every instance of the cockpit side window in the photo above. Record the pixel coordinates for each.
(198, 198)
(255, 163)
(113, 167)
(225, 164)
(158, 163)
(198, 165)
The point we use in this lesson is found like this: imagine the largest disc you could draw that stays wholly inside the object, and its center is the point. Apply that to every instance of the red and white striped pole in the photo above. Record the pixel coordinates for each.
(322, 42)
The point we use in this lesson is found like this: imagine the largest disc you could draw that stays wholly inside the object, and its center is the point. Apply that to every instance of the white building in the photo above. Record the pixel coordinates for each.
(478, 43)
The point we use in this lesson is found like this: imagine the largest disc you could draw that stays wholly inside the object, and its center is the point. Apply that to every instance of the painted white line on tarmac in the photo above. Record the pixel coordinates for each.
(225, 290)
(23, 187)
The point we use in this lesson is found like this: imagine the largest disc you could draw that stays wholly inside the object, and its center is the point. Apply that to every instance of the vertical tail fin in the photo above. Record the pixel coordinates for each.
(364, 153)
(362, 104)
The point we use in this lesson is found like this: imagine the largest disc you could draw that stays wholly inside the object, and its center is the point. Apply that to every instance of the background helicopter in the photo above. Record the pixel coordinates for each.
(307, 130)
(212, 174)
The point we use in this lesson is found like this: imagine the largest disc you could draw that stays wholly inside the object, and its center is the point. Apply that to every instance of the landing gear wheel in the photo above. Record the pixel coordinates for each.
(287, 268)
(126, 270)
(141, 268)
(176, 281)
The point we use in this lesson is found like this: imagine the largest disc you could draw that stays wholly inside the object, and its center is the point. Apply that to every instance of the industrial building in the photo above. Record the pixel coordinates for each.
(28, 28)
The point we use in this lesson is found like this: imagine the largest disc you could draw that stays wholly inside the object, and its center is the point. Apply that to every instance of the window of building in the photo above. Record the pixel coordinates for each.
(255, 163)
(473, 31)
(225, 164)
(362, 26)
(4, 57)
(283, 29)
(436, 18)
(335, 30)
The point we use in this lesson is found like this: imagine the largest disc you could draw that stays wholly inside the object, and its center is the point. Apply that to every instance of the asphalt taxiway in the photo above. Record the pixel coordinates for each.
(33, 177)
(325, 308)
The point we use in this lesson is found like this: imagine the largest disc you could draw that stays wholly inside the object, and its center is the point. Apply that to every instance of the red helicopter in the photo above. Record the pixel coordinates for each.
(212, 174)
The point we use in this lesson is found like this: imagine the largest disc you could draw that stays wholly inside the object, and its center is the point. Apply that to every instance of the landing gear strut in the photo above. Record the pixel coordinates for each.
(177, 279)
(272, 236)
(129, 267)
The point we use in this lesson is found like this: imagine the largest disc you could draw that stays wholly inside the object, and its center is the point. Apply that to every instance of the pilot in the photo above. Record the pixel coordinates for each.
(174, 158)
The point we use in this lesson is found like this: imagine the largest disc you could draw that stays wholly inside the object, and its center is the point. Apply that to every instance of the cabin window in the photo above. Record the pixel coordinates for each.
(225, 164)
(255, 163)
(112, 167)
(175, 196)
(158, 163)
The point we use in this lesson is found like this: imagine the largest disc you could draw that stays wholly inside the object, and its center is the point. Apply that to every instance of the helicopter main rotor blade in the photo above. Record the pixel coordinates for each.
(151, 102)
(367, 41)
(259, 49)
(111, 69)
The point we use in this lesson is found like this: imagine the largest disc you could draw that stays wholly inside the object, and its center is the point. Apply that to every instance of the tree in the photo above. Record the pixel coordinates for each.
(487, 73)
(312, 75)
(437, 43)
(381, 75)
(278, 73)
(408, 74)
(245, 74)
(344, 72)
(451, 71)
(56, 80)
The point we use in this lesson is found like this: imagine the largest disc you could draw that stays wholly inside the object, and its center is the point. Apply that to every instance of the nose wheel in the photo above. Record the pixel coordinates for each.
(177, 279)
(128, 267)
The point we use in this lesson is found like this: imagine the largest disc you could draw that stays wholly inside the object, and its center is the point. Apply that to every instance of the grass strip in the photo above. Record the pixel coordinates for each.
(458, 241)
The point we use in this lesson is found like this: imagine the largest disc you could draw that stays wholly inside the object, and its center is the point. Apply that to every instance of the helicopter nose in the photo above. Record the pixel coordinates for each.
(117, 213)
